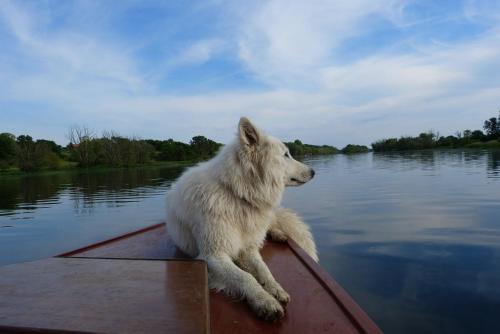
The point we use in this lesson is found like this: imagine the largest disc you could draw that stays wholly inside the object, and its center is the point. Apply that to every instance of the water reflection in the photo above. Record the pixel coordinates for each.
(25, 193)
(432, 159)
(494, 164)
(43, 215)
(86, 189)
(423, 287)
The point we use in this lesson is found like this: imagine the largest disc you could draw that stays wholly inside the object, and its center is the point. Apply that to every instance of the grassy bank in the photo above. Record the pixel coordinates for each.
(492, 144)
(73, 167)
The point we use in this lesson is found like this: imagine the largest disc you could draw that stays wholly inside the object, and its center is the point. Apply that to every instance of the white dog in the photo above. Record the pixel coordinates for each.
(221, 210)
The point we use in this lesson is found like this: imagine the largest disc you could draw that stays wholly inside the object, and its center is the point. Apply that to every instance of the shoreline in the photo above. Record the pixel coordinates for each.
(445, 148)
(73, 168)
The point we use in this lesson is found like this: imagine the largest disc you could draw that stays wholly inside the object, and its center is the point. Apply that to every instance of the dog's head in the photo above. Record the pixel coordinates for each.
(269, 158)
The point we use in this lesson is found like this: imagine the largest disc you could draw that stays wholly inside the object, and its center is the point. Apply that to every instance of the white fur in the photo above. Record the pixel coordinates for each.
(221, 210)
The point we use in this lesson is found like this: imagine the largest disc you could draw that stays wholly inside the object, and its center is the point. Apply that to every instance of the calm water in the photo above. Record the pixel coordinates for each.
(414, 238)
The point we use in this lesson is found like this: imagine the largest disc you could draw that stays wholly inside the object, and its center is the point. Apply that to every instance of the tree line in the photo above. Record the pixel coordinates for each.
(490, 138)
(85, 149)
(298, 149)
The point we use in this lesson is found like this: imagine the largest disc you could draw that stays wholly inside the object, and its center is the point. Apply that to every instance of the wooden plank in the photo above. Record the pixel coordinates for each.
(101, 244)
(351, 308)
(104, 296)
(311, 308)
(318, 303)
(150, 243)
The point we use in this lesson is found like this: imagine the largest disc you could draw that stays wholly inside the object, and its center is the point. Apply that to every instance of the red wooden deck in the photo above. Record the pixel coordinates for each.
(318, 303)
(67, 295)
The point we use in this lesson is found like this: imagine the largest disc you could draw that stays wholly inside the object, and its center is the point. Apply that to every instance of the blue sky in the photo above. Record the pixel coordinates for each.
(327, 72)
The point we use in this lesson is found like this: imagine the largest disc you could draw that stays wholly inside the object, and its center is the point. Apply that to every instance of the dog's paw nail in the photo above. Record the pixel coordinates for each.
(282, 296)
(271, 311)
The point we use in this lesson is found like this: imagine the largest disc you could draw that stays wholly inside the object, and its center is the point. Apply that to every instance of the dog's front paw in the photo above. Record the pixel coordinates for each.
(269, 309)
(277, 235)
(280, 294)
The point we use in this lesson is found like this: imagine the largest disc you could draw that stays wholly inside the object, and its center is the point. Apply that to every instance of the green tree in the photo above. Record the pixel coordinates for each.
(26, 153)
(7, 149)
(144, 152)
(82, 145)
(52, 146)
(110, 154)
(45, 155)
(297, 148)
(491, 126)
(477, 135)
(350, 149)
(204, 147)
(171, 150)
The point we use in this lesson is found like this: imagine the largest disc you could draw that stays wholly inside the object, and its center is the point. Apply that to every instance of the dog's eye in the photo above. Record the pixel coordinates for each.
(287, 155)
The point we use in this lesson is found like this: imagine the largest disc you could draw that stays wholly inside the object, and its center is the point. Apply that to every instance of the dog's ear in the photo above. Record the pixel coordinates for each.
(249, 134)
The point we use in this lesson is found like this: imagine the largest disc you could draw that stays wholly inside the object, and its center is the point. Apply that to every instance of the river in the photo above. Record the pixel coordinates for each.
(413, 237)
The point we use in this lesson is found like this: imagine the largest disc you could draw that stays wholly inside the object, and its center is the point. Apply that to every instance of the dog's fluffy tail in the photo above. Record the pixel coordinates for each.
(289, 225)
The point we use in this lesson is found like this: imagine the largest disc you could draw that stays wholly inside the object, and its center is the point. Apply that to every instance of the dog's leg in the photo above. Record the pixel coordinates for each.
(226, 276)
(251, 261)
(288, 224)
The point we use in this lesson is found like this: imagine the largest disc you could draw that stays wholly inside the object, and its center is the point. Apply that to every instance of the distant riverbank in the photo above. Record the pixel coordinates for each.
(73, 167)
(389, 146)
(85, 151)
(489, 139)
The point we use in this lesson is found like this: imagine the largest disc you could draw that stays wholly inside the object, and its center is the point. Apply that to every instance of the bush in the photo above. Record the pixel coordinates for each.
(298, 149)
(7, 150)
(350, 149)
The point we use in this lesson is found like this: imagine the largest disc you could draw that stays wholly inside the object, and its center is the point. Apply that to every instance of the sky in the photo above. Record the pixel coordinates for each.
(326, 72)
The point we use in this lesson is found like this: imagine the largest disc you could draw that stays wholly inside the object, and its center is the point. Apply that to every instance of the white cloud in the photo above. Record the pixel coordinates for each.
(283, 41)
(200, 52)
(482, 11)
(423, 86)
(68, 55)
(194, 54)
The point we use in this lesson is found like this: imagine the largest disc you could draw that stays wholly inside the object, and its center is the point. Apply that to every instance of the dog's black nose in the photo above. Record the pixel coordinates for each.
(312, 173)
